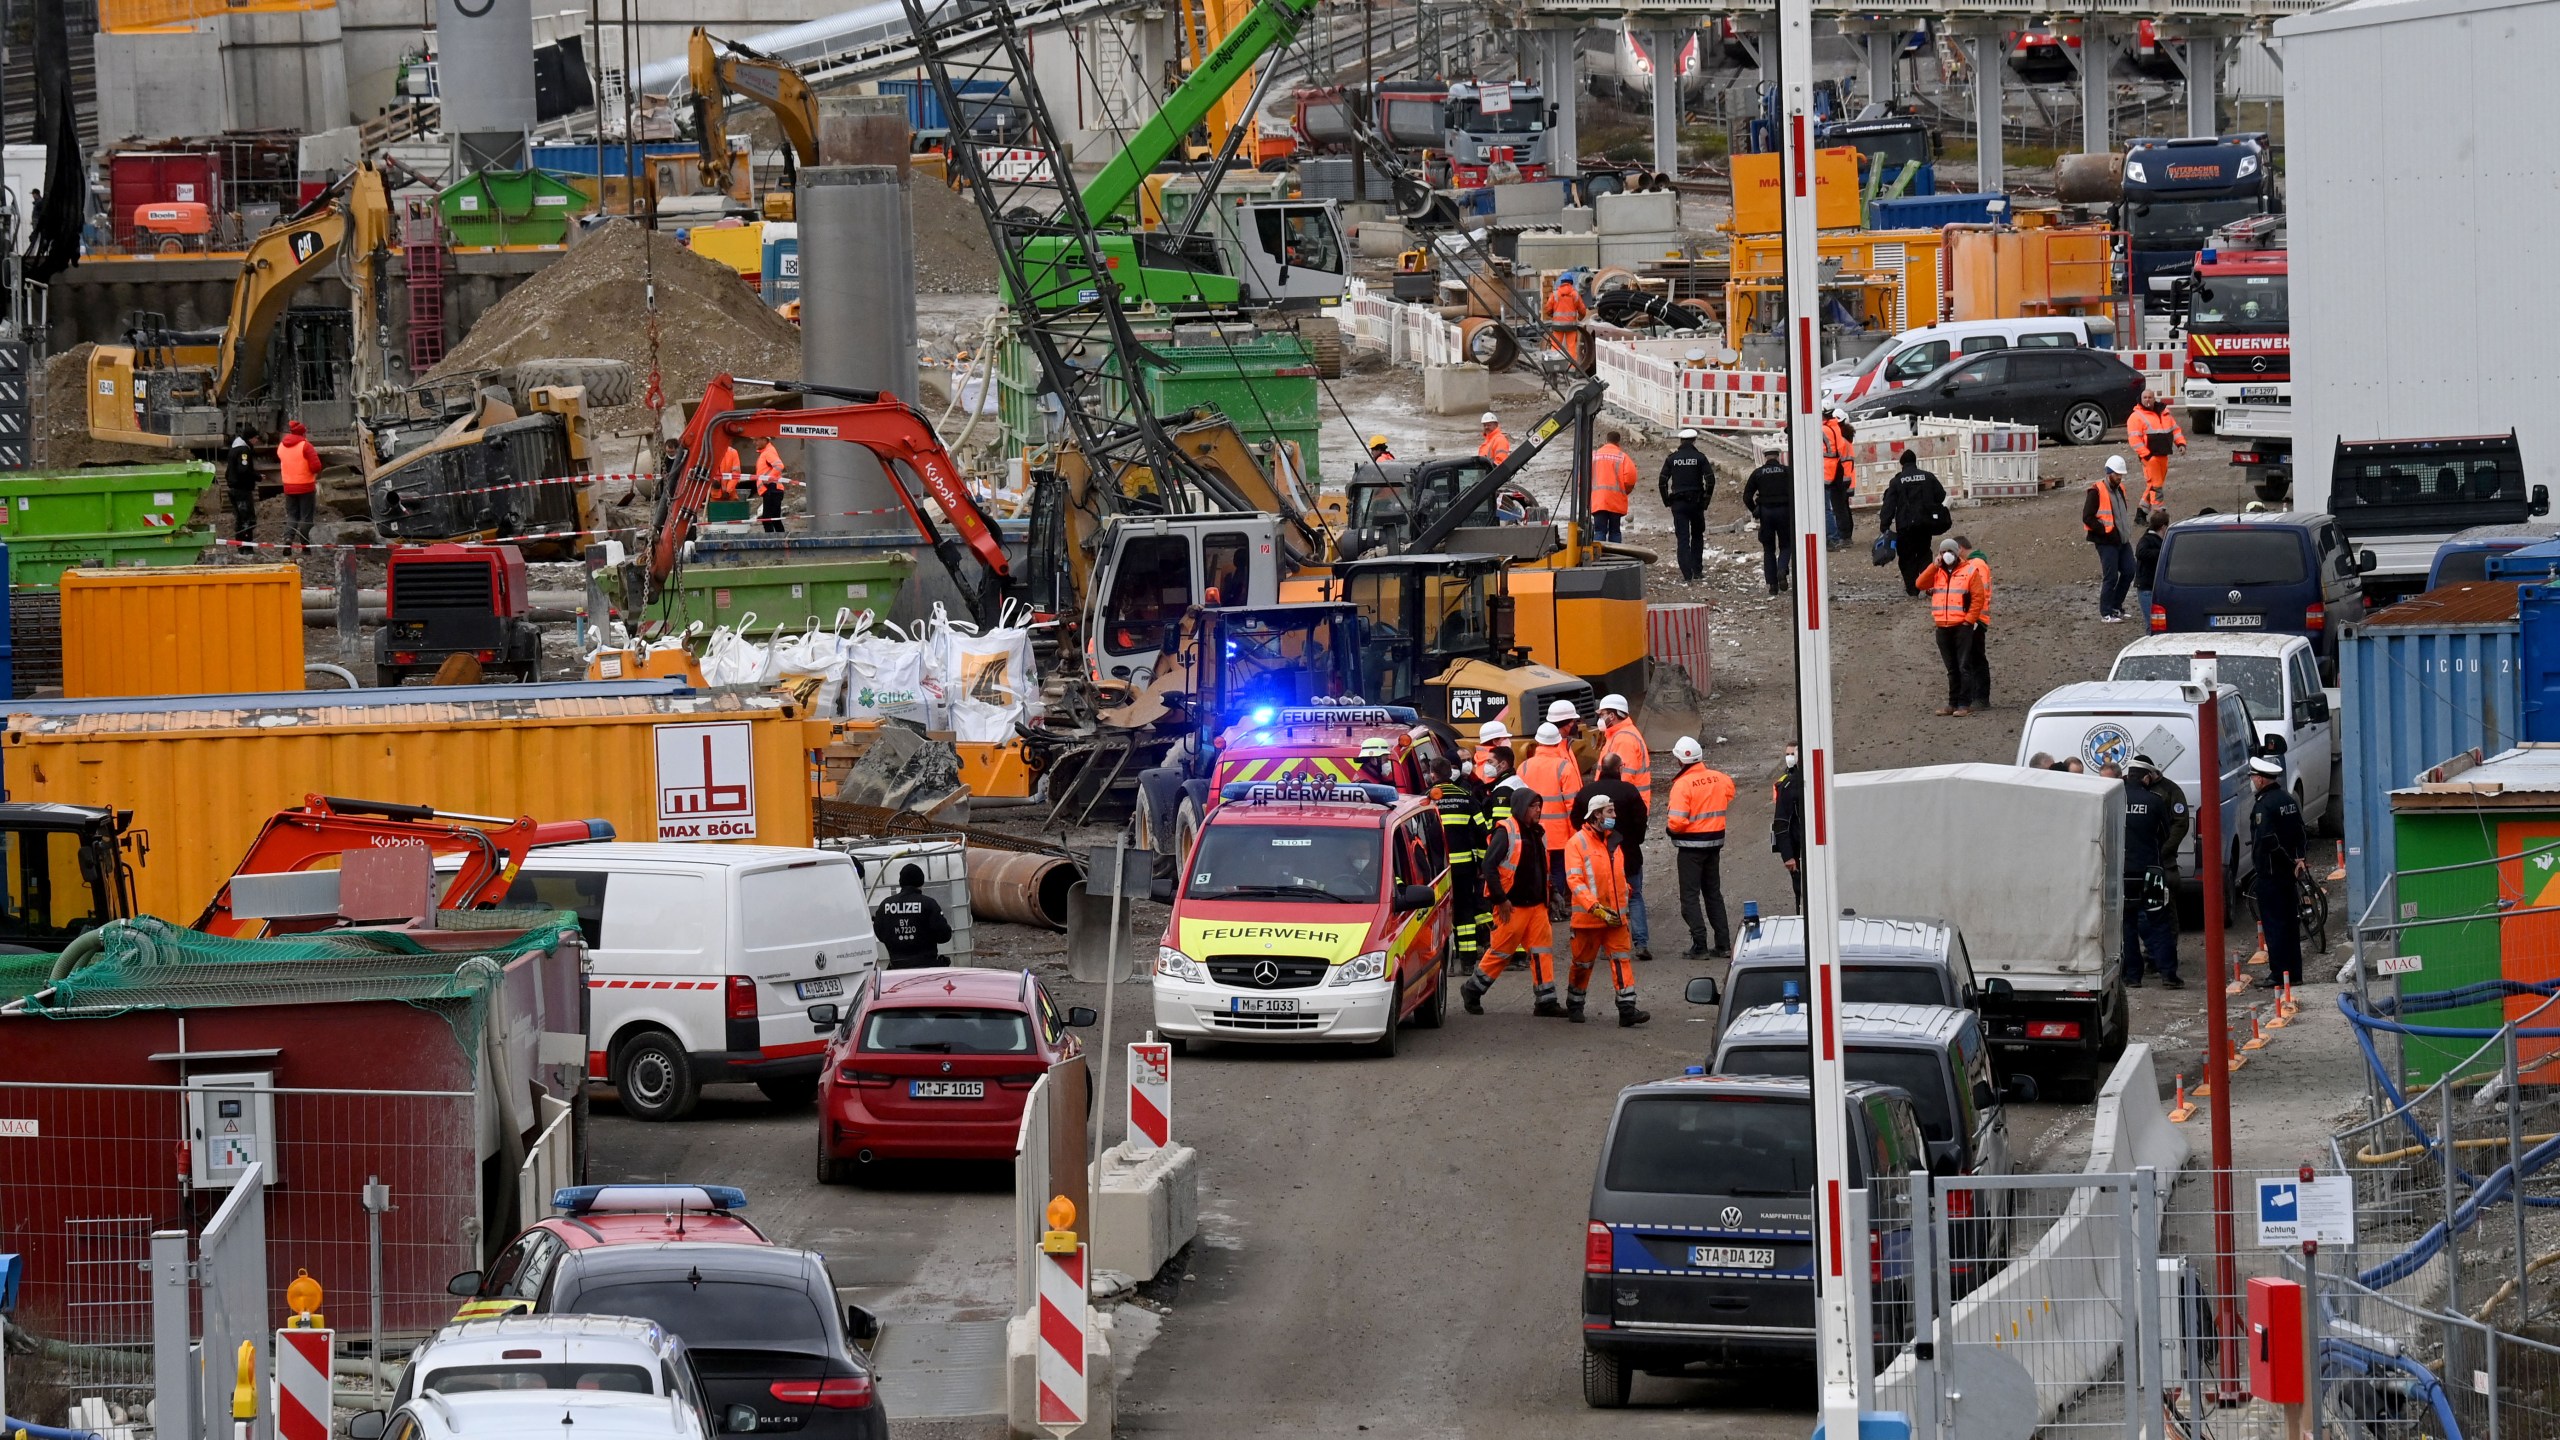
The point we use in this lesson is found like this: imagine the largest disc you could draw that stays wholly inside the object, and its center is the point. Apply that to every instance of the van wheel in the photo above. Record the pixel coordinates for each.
(1606, 1381)
(790, 1093)
(1435, 1011)
(2084, 423)
(1384, 1047)
(655, 1078)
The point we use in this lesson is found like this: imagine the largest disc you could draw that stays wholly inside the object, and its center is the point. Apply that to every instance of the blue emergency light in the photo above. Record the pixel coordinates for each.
(1751, 918)
(1694, 1070)
(1337, 791)
(644, 1199)
(1790, 996)
(1262, 716)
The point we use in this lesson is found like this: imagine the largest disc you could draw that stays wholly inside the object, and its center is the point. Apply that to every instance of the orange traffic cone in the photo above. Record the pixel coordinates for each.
(2257, 1033)
(2185, 1109)
(2259, 955)
(2284, 1002)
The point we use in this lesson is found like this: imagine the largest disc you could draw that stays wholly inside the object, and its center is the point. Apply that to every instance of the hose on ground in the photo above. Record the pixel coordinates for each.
(2423, 1379)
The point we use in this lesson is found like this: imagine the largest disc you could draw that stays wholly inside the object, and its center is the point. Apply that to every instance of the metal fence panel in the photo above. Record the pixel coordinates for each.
(231, 1269)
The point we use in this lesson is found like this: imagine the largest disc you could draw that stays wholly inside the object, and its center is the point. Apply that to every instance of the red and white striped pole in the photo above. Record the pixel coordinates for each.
(1061, 1321)
(1836, 1329)
(1150, 1097)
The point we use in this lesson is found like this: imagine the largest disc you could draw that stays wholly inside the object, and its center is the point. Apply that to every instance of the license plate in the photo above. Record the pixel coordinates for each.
(1261, 1005)
(947, 1089)
(2258, 392)
(821, 989)
(1733, 1257)
(2235, 622)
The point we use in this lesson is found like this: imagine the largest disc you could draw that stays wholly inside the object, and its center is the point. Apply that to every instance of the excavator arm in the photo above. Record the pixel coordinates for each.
(888, 427)
(1577, 411)
(715, 76)
(326, 827)
(354, 212)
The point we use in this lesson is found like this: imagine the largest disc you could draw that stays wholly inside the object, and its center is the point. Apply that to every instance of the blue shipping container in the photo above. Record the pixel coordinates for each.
(925, 114)
(2415, 695)
(2538, 661)
(599, 159)
(1930, 212)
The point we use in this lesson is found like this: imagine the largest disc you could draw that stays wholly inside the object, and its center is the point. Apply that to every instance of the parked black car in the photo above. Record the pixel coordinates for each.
(772, 1349)
(2075, 395)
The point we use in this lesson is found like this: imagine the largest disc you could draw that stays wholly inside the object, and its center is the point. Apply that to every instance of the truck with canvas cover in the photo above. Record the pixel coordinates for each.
(2036, 889)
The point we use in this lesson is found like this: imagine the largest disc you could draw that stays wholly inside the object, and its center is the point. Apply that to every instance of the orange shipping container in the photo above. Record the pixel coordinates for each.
(673, 767)
(1758, 199)
(182, 630)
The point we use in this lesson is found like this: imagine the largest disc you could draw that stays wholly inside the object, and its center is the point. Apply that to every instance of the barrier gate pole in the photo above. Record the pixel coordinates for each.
(2217, 1019)
(1839, 1333)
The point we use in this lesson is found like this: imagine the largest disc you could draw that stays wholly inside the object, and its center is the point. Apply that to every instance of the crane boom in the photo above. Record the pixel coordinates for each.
(1270, 25)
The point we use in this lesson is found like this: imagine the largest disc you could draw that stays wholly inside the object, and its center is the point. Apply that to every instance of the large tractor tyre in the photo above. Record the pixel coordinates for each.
(608, 382)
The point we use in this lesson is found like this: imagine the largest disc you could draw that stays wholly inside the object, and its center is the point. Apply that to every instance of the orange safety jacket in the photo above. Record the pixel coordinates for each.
(1836, 463)
(2141, 424)
(1509, 825)
(1613, 478)
(1699, 799)
(1495, 446)
(1635, 758)
(769, 470)
(1596, 872)
(2109, 490)
(1555, 779)
(1958, 597)
(728, 472)
(299, 460)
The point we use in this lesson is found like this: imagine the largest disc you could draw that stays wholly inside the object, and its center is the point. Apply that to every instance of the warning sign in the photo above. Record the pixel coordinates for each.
(706, 781)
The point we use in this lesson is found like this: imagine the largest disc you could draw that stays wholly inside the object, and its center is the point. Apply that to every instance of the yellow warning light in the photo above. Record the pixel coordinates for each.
(302, 1297)
(244, 1392)
(1061, 1213)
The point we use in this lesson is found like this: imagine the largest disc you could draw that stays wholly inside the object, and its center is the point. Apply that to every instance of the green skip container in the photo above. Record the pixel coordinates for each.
(49, 504)
(510, 207)
(786, 583)
(40, 562)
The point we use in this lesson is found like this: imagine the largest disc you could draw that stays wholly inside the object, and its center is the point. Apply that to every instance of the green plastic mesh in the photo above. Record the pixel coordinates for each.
(22, 975)
(150, 964)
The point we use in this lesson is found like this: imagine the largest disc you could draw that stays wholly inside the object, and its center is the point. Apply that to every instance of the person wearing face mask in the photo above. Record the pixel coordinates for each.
(1595, 872)
(1786, 821)
(1632, 805)
(1958, 584)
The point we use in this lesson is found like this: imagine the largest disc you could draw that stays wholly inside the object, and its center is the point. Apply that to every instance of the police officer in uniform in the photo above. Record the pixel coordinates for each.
(910, 924)
(2277, 850)
(1769, 493)
(2155, 824)
(1461, 798)
(1688, 486)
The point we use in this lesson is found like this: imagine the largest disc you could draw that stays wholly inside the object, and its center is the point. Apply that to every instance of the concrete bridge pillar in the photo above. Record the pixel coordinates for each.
(1981, 41)
(2097, 85)
(1665, 47)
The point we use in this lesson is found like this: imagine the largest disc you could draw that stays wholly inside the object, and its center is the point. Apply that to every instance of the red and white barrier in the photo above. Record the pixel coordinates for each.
(2157, 360)
(1150, 1097)
(1676, 634)
(1062, 1340)
(303, 1361)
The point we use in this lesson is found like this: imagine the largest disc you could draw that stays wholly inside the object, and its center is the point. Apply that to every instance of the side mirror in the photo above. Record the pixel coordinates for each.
(1998, 989)
(1081, 1017)
(1160, 889)
(465, 1284)
(2024, 1089)
(368, 1424)
(2367, 562)
(2541, 500)
(825, 1017)
(1984, 1097)
(861, 1324)
(1413, 897)
(2319, 707)
(1702, 991)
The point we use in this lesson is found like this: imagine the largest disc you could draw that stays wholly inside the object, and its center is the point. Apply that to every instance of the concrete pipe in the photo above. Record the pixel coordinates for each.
(1026, 889)
(2089, 178)
(1489, 343)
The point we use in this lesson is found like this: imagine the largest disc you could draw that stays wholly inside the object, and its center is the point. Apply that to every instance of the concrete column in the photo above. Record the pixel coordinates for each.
(2204, 78)
(1665, 45)
(2097, 86)
(1560, 74)
(857, 323)
(1990, 77)
(1875, 43)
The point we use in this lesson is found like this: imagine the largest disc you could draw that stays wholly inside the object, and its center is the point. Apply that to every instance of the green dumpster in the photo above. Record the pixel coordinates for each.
(55, 503)
(40, 562)
(510, 207)
(788, 583)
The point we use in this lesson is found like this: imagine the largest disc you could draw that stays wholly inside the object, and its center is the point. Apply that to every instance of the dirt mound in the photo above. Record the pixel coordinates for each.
(953, 255)
(62, 419)
(594, 302)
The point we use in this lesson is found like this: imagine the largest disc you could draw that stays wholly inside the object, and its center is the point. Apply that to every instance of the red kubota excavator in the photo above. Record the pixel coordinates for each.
(888, 427)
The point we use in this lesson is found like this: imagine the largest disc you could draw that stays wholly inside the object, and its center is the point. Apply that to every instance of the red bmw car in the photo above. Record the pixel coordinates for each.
(935, 1065)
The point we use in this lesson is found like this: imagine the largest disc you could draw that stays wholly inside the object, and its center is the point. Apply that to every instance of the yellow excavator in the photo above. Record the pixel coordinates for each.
(717, 69)
(179, 390)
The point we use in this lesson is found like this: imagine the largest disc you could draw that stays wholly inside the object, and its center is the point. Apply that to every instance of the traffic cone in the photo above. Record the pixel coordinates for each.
(2338, 871)
(2259, 955)
(2257, 1033)
(2185, 1109)
(2284, 1002)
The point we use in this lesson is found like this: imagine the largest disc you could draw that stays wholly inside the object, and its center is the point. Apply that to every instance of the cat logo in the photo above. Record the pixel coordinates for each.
(1473, 704)
(304, 244)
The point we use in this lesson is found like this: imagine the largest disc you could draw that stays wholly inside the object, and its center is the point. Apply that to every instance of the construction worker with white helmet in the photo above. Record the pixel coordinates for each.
(1596, 877)
(1493, 752)
(1494, 446)
(1555, 777)
(1567, 719)
(1620, 737)
(1701, 799)
(2108, 522)
(1515, 876)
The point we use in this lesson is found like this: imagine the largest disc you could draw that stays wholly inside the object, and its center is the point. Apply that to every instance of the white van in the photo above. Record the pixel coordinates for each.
(1914, 353)
(2278, 677)
(2107, 722)
(704, 960)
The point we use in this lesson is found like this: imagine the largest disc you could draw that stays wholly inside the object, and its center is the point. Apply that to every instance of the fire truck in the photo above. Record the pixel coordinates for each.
(2239, 370)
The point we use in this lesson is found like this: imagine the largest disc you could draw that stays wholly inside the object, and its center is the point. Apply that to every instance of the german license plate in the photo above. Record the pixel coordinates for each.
(1261, 1005)
(2235, 622)
(821, 989)
(947, 1089)
(1733, 1257)
(2260, 393)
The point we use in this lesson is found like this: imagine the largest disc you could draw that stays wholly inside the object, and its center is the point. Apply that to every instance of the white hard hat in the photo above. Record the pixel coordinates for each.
(1494, 730)
(1598, 803)
(1688, 434)
(2265, 765)
(1687, 750)
(1560, 711)
(1615, 702)
(1488, 418)
(2115, 464)
(1550, 735)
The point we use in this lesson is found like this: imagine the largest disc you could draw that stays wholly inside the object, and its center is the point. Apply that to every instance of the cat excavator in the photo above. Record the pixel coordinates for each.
(717, 69)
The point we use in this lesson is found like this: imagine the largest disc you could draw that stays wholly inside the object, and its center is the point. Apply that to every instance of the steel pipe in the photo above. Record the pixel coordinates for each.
(1022, 889)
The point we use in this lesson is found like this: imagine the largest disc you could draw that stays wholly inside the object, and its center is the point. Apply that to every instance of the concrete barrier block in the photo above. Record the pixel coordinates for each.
(1542, 250)
(1637, 249)
(1456, 389)
(1145, 1207)
(1022, 1379)
(2131, 1115)
(1383, 239)
(1576, 219)
(1629, 213)
(1528, 200)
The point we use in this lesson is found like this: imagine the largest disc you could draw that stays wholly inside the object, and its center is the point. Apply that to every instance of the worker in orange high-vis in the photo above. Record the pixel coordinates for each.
(1958, 584)
(1613, 479)
(1553, 775)
(1701, 799)
(1515, 870)
(1620, 737)
(731, 471)
(298, 461)
(1566, 313)
(1493, 445)
(1839, 474)
(770, 486)
(1596, 875)
(1492, 758)
(2153, 432)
